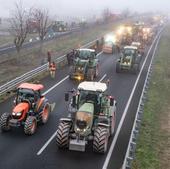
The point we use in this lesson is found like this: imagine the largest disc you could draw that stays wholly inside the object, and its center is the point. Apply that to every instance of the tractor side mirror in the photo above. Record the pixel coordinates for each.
(74, 101)
(14, 101)
(111, 101)
(66, 97)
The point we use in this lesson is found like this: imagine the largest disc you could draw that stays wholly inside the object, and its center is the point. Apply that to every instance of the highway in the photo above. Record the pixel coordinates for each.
(39, 151)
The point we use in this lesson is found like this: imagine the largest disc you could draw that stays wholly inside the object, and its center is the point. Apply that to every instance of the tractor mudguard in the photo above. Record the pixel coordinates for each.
(103, 125)
(43, 104)
(68, 120)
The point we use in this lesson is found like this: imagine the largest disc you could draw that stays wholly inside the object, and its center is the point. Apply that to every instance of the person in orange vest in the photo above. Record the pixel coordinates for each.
(52, 68)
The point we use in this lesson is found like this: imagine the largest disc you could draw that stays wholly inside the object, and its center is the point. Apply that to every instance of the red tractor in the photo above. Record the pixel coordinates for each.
(30, 107)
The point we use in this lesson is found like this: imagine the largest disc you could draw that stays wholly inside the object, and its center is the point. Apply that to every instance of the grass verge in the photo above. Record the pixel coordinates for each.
(153, 146)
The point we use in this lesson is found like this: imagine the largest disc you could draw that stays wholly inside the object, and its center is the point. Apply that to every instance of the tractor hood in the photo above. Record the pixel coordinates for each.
(20, 107)
(84, 118)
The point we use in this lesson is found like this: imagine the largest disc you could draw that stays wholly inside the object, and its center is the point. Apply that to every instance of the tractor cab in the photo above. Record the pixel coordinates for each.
(129, 59)
(29, 93)
(86, 54)
(129, 54)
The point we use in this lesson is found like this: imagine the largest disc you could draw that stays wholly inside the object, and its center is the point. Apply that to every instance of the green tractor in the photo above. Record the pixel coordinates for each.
(85, 65)
(129, 60)
(91, 118)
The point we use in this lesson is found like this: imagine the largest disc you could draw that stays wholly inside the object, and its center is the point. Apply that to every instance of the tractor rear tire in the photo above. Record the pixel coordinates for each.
(118, 69)
(4, 122)
(113, 122)
(96, 71)
(45, 114)
(100, 141)
(62, 137)
(135, 68)
(30, 125)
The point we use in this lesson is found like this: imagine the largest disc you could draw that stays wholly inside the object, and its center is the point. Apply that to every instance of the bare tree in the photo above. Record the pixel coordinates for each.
(19, 25)
(106, 14)
(41, 17)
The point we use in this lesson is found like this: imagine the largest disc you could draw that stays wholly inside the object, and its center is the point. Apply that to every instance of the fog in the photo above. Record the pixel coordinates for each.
(71, 8)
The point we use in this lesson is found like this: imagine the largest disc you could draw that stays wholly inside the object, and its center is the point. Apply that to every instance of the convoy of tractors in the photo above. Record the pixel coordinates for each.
(91, 114)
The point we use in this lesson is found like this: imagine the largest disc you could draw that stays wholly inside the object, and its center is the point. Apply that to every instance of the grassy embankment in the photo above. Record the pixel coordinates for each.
(153, 146)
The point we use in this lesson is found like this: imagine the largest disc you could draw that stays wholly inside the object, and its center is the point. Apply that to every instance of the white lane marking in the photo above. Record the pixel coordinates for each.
(47, 143)
(56, 85)
(125, 111)
(153, 55)
(99, 53)
(103, 77)
(52, 137)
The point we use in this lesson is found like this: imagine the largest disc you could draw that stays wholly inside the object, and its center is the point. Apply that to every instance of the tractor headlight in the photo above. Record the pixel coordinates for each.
(19, 114)
(79, 77)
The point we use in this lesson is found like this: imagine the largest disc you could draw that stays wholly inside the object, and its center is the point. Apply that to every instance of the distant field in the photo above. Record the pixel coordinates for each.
(153, 146)
(30, 58)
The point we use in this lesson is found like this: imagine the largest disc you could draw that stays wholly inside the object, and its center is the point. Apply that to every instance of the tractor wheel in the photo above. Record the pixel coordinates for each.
(30, 125)
(135, 68)
(100, 141)
(63, 132)
(4, 122)
(118, 69)
(112, 125)
(96, 71)
(45, 114)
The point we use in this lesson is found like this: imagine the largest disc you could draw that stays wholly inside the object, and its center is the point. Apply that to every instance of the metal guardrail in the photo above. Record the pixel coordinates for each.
(62, 60)
(130, 153)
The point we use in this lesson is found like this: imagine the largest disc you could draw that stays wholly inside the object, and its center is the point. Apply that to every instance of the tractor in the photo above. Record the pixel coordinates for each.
(85, 65)
(30, 107)
(91, 118)
(129, 60)
(110, 43)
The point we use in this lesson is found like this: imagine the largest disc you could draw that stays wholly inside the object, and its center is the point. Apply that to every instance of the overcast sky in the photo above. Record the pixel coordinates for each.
(87, 7)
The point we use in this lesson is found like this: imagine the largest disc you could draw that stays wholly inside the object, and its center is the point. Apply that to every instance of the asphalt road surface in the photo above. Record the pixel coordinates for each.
(39, 151)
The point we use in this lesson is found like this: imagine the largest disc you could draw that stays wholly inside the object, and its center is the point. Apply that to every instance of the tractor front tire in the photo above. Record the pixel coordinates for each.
(62, 137)
(100, 141)
(118, 69)
(45, 114)
(30, 125)
(4, 122)
(135, 68)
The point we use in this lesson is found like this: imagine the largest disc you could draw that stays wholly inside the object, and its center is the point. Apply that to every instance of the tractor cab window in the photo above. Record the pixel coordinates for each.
(85, 54)
(129, 52)
(86, 96)
(109, 43)
(25, 94)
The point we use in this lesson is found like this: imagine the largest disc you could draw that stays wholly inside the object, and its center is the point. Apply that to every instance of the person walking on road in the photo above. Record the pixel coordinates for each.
(52, 69)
